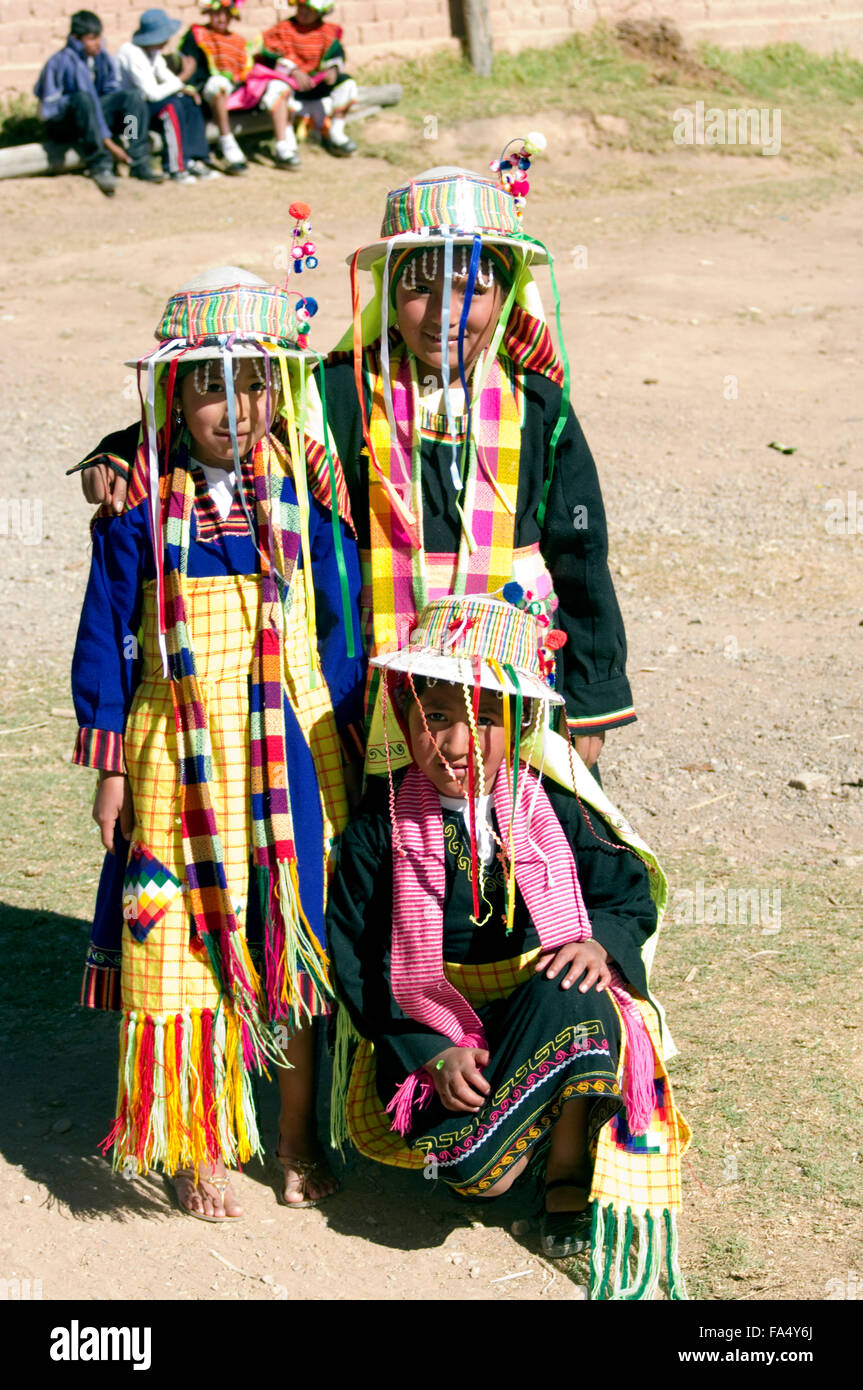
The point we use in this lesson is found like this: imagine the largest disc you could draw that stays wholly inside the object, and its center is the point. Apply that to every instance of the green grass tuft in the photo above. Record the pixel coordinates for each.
(19, 120)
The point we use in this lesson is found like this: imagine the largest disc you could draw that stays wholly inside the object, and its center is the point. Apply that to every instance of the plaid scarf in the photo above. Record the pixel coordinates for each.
(489, 488)
(548, 882)
(214, 919)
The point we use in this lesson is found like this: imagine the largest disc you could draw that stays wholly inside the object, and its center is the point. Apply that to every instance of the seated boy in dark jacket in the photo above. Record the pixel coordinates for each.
(83, 104)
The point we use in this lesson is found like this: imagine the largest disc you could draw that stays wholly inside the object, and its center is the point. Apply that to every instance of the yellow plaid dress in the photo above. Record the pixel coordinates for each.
(183, 1089)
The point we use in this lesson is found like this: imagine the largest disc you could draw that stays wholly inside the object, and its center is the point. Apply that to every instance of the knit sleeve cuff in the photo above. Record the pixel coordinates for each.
(592, 706)
(598, 723)
(99, 748)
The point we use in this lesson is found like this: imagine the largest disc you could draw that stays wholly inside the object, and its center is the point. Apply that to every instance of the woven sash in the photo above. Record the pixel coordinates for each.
(544, 870)
(215, 922)
(399, 580)
(548, 882)
(272, 827)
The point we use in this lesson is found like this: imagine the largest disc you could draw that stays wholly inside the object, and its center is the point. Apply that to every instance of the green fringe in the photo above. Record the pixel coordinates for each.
(346, 1037)
(630, 1289)
(597, 1238)
(676, 1283)
(612, 1234)
(611, 1231)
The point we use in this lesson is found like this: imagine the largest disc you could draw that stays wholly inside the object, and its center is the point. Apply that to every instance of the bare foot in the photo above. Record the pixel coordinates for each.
(307, 1176)
(211, 1198)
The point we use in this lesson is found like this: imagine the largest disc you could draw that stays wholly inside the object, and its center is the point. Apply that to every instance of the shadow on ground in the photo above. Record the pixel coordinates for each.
(60, 1092)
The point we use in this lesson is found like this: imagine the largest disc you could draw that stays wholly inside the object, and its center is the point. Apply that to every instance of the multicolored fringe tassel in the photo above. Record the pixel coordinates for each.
(291, 950)
(614, 1230)
(347, 1038)
(184, 1094)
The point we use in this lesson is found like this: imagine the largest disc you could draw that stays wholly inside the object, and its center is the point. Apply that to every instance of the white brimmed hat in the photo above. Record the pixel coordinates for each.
(484, 640)
(450, 204)
(229, 304)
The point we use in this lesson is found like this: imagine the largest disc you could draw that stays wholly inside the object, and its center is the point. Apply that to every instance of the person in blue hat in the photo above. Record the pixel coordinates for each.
(84, 103)
(174, 109)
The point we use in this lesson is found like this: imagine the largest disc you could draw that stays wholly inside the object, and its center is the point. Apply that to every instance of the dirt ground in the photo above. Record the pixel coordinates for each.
(711, 308)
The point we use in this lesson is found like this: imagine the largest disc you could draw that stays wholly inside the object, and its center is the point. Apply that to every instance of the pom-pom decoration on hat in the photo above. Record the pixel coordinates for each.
(213, 6)
(513, 167)
(303, 256)
(540, 602)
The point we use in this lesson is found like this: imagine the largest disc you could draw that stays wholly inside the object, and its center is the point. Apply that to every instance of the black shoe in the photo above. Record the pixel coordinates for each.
(341, 149)
(146, 173)
(239, 167)
(564, 1233)
(105, 180)
(287, 161)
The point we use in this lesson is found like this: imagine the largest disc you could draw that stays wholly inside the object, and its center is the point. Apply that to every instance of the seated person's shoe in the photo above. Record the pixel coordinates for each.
(146, 173)
(105, 180)
(201, 170)
(340, 148)
(232, 155)
(287, 161)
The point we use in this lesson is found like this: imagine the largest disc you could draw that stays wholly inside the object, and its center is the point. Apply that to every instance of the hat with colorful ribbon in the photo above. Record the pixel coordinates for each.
(451, 204)
(503, 644)
(227, 308)
(460, 228)
(221, 315)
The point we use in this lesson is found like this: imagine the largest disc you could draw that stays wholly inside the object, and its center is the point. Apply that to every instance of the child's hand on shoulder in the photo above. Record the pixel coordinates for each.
(113, 801)
(457, 1077)
(104, 486)
(585, 958)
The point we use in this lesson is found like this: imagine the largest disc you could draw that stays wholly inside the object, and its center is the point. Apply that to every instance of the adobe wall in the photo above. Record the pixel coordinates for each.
(30, 30)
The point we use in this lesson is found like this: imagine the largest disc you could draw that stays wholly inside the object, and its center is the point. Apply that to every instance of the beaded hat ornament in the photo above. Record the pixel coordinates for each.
(513, 167)
(231, 307)
(213, 6)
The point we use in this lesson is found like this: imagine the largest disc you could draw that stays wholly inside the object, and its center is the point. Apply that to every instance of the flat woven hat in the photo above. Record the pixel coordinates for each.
(449, 203)
(512, 647)
(225, 302)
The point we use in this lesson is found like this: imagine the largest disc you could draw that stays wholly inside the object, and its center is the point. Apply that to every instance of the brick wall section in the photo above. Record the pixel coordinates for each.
(30, 30)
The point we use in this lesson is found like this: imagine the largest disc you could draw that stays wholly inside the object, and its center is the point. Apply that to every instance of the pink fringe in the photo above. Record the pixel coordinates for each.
(639, 1093)
(274, 940)
(405, 1099)
(417, 1089)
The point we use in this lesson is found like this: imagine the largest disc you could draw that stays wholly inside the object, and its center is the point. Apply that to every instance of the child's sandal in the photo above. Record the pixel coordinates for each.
(187, 1175)
(305, 1170)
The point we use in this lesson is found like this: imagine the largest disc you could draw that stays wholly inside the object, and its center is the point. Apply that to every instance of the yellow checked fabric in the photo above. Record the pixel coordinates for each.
(161, 975)
(648, 1179)
(368, 1122)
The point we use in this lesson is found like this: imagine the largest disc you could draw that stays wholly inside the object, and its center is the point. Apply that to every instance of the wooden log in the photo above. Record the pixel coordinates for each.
(478, 29)
(27, 161)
